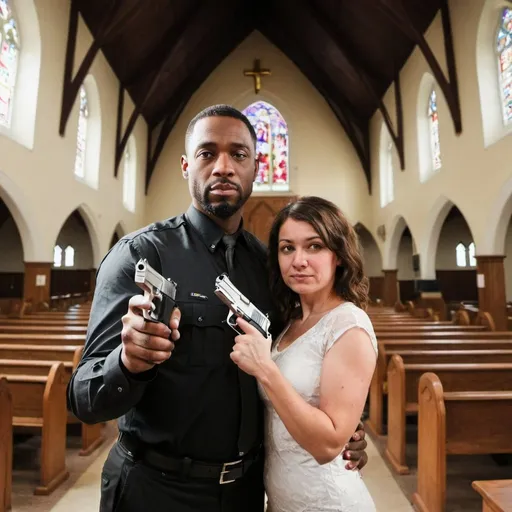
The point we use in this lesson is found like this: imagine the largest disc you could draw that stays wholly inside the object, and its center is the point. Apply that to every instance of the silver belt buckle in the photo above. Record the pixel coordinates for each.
(225, 470)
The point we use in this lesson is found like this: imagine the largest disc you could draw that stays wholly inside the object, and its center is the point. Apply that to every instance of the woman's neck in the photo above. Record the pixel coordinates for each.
(318, 304)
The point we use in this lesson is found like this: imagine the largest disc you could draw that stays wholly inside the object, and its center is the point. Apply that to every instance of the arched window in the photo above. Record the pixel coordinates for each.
(69, 256)
(387, 193)
(129, 175)
(81, 137)
(471, 253)
(272, 146)
(504, 52)
(461, 255)
(435, 146)
(57, 256)
(9, 54)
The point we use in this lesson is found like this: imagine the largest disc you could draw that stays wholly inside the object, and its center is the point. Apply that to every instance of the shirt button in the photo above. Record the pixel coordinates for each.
(199, 318)
(120, 389)
(240, 454)
(212, 246)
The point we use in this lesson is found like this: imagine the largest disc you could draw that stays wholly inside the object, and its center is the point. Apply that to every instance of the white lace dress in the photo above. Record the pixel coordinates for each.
(294, 481)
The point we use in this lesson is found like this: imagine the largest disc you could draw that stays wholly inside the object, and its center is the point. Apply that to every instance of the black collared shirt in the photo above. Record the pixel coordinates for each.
(189, 405)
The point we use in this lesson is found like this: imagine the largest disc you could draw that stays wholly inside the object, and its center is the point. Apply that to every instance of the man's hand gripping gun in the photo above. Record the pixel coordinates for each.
(159, 290)
(240, 306)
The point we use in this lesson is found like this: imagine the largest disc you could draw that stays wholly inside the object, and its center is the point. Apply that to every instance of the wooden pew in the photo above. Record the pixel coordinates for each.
(36, 329)
(39, 401)
(42, 322)
(42, 339)
(403, 381)
(496, 494)
(399, 343)
(92, 435)
(430, 328)
(6, 416)
(455, 423)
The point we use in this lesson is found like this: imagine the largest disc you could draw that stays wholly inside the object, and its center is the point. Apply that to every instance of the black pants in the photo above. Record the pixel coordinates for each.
(128, 485)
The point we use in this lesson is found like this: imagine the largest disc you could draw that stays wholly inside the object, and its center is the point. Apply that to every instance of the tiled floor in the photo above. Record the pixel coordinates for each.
(81, 492)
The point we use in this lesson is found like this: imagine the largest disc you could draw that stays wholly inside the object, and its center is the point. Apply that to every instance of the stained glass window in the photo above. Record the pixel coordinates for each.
(435, 146)
(129, 175)
(69, 256)
(504, 51)
(9, 53)
(57, 256)
(472, 259)
(272, 146)
(389, 173)
(81, 137)
(460, 251)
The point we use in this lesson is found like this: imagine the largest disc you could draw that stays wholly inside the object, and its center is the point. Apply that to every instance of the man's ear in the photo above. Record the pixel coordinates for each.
(184, 166)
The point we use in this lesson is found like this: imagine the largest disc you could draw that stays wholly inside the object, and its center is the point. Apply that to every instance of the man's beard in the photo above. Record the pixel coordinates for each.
(223, 209)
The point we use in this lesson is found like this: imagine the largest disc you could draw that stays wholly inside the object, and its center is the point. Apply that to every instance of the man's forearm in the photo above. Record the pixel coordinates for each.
(100, 390)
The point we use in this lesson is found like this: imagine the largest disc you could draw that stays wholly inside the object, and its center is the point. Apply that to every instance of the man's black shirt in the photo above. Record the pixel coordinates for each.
(189, 405)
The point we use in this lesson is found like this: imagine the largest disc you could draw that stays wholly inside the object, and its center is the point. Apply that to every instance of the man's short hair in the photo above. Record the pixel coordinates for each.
(221, 111)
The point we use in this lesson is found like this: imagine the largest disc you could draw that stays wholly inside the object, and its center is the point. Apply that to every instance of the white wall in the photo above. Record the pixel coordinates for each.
(454, 230)
(372, 259)
(474, 177)
(38, 185)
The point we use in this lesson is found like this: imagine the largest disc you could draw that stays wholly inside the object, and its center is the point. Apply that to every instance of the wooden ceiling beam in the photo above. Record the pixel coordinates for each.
(317, 13)
(179, 99)
(396, 12)
(357, 130)
(165, 45)
(109, 27)
(161, 73)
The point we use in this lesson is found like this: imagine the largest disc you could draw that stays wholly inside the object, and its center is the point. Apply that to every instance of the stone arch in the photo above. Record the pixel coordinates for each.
(497, 222)
(24, 217)
(119, 232)
(435, 222)
(367, 240)
(90, 222)
(392, 245)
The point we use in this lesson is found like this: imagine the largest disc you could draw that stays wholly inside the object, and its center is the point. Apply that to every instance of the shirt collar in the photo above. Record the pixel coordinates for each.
(210, 232)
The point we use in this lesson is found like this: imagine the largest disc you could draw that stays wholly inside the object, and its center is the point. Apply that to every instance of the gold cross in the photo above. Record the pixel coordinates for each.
(257, 73)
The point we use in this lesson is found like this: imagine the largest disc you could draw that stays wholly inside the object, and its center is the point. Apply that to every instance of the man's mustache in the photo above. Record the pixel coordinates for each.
(224, 181)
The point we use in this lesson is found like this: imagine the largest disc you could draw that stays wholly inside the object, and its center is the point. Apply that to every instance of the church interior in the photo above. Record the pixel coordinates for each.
(399, 112)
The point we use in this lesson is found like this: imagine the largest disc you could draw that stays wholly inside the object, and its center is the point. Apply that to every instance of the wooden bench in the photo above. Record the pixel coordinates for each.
(456, 423)
(59, 322)
(39, 401)
(433, 342)
(5, 445)
(49, 329)
(403, 381)
(92, 435)
(496, 494)
(444, 328)
(42, 339)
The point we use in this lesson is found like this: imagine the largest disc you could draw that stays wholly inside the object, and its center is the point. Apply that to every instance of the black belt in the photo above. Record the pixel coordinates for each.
(225, 473)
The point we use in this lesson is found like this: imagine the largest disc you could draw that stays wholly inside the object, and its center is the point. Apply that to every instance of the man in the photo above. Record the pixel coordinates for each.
(190, 422)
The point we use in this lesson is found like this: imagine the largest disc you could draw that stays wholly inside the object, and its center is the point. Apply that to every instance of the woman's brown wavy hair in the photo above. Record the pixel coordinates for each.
(338, 235)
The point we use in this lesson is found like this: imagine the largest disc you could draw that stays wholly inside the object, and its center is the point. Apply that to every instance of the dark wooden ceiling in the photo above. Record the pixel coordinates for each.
(350, 50)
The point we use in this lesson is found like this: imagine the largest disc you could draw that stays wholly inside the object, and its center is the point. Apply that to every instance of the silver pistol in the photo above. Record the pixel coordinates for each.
(240, 306)
(159, 290)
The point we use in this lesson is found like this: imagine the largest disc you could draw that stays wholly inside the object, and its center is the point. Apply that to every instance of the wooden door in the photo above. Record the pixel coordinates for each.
(260, 212)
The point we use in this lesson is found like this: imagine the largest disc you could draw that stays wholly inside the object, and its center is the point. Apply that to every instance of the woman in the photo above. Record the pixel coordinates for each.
(314, 378)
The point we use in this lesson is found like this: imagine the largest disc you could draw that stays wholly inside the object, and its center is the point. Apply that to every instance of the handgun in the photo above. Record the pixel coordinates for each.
(240, 306)
(159, 290)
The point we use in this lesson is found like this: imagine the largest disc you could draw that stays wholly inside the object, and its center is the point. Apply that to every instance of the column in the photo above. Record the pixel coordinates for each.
(390, 292)
(36, 288)
(491, 289)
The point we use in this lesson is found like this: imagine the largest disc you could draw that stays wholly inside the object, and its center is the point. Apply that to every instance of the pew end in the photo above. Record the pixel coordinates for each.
(5, 446)
(496, 494)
